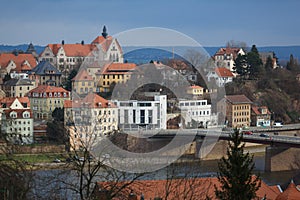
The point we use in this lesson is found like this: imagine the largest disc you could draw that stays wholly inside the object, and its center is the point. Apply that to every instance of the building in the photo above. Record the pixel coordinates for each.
(221, 76)
(17, 120)
(260, 116)
(16, 64)
(71, 56)
(195, 113)
(264, 57)
(45, 74)
(83, 83)
(89, 118)
(145, 115)
(114, 73)
(17, 87)
(45, 98)
(236, 109)
(225, 57)
(292, 192)
(195, 91)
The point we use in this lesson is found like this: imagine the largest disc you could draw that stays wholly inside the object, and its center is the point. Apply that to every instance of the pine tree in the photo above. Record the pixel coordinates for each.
(241, 66)
(235, 176)
(269, 64)
(255, 63)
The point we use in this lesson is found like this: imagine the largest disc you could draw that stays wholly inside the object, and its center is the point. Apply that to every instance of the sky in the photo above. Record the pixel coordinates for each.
(209, 22)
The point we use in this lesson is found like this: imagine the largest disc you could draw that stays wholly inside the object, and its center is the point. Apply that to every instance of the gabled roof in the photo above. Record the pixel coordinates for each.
(195, 87)
(257, 110)
(291, 193)
(238, 99)
(83, 76)
(223, 72)
(90, 101)
(19, 60)
(8, 101)
(45, 68)
(228, 50)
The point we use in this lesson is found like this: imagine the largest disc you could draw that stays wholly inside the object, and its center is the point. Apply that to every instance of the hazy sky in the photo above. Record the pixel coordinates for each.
(210, 22)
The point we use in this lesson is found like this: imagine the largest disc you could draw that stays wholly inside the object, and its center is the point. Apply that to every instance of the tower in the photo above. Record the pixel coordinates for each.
(104, 33)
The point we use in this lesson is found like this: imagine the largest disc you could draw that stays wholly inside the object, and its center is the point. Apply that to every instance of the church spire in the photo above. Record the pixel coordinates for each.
(104, 33)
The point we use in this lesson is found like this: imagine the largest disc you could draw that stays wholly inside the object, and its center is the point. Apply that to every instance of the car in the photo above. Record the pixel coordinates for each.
(277, 124)
(248, 133)
(264, 135)
(56, 160)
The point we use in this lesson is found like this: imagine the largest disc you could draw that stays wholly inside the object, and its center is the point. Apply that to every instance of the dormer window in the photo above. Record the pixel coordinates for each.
(45, 94)
(50, 94)
(26, 114)
(55, 94)
(13, 114)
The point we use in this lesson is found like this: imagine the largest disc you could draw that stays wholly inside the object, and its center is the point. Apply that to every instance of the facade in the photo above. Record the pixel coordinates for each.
(260, 116)
(114, 73)
(16, 64)
(83, 83)
(142, 115)
(236, 109)
(45, 74)
(45, 98)
(89, 119)
(17, 120)
(17, 87)
(225, 57)
(195, 113)
(71, 56)
(221, 76)
(195, 90)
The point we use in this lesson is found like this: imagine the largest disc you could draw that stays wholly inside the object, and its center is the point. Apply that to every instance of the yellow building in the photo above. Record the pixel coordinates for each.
(114, 73)
(44, 99)
(18, 87)
(89, 119)
(236, 109)
(83, 83)
(195, 90)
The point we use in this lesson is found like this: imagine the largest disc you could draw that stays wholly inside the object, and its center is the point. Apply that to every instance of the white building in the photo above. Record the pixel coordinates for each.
(195, 113)
(17, 120)
(145, 115)
(221, 76)
(225, 57)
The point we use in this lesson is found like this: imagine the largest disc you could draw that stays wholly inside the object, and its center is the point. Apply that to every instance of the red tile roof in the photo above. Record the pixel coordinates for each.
(83, 76)
(198, 188)
(19, 113)
(195, 87)
(223, 72)
(9, 100)
(257, 110)
(19, 60)
(291, 193)
(91, 101)
(73, 50)
(118, 68)
(48, 89)
(105, 42)
(237, 99)
(228, 51)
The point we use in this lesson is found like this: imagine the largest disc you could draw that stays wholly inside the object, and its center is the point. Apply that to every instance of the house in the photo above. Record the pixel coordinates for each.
(177, 188)
(45, 98)
(260, 116)
(264, 57)
(83, 83)
(236, 109)
(45, 74)
(196, 113)
(16, 64)
(195, 90)
(221, 76)
(89, 119)
(71, 56)
(114, 73)
(18, 87)
(225, 57)
(292, 192)
(145, 115)
(17, 120)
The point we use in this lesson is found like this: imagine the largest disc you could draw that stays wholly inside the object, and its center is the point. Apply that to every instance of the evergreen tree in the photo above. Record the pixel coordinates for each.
(241, 66)
(269, 64)
(255, 63)
(292, 64)
(235, 173)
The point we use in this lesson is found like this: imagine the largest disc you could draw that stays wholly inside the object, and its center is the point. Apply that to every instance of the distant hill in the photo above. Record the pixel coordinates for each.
(22, 47)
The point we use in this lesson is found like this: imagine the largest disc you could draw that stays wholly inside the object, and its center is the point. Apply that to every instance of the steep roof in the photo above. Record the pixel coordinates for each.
(237, 99)
(18, 111)
(223, 72)
(228, 50)
(8, 101)
(83, 76)
(45, 68)
(73, 50)
(19, 60)
(91, 101)
(291, 193)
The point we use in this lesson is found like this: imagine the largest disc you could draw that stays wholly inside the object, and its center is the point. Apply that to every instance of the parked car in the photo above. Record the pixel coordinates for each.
(56, 160)
(248, 133)
(264, 135)
(277, 124)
